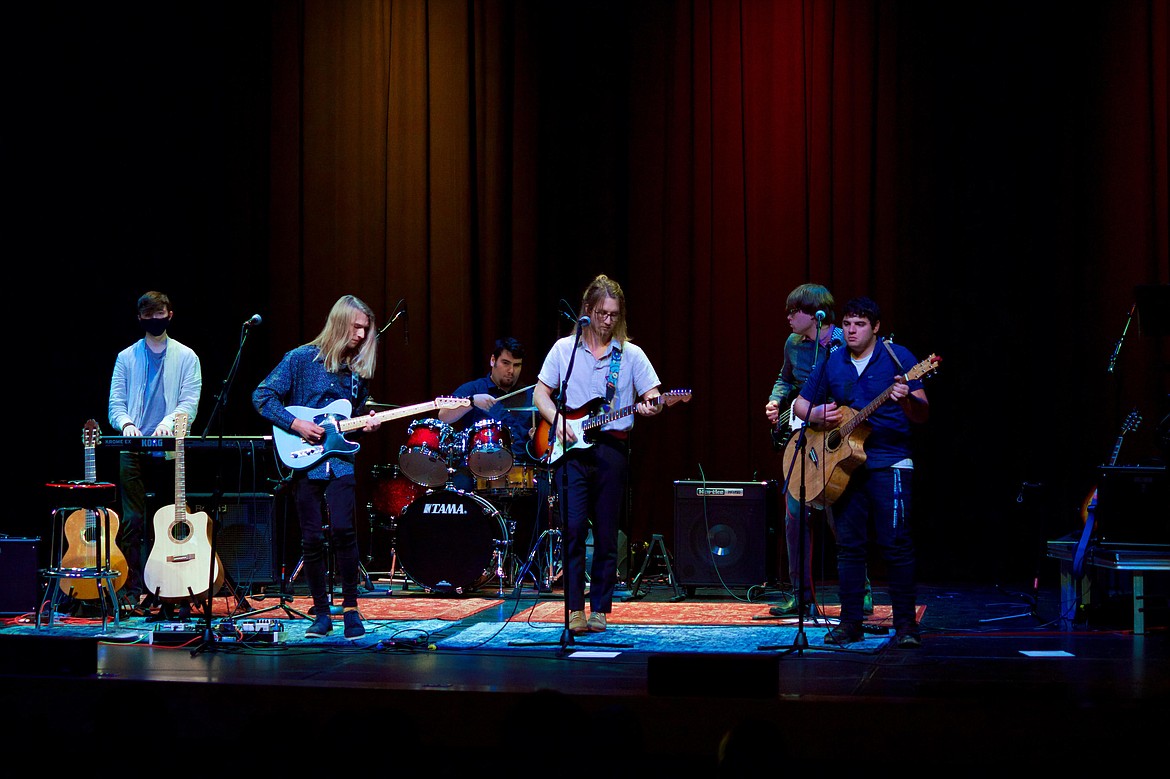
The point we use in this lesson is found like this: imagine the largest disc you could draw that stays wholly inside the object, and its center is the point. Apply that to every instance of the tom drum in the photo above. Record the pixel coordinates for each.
(423, 458)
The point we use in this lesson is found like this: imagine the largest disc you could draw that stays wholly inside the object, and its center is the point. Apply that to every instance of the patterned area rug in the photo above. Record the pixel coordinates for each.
(729, 614)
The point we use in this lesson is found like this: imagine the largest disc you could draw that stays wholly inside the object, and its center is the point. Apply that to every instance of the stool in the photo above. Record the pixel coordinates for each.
(89, 496)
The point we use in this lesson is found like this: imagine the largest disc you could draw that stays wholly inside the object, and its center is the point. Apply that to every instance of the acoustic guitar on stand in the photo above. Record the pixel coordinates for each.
(831, 456)
(586, 419)
(180, 565)
(1132, 422)
(85, 533)
(299, 454)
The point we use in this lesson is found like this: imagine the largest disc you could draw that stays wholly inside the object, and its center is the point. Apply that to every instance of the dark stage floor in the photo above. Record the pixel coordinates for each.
(998, 683)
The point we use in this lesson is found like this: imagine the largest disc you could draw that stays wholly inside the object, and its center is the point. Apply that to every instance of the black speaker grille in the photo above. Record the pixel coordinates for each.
(244, 541)
(724, 533)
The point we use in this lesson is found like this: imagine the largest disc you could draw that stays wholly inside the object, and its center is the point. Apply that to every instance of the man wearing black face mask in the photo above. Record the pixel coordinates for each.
(154, 379)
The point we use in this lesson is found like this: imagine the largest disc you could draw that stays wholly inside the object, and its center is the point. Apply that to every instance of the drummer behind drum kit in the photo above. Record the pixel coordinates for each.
(445, 539)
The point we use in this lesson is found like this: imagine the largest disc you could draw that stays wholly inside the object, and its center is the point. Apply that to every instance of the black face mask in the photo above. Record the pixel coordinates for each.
(155, 327)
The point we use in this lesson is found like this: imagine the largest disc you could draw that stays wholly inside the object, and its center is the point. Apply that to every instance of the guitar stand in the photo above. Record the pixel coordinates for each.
(656, 543)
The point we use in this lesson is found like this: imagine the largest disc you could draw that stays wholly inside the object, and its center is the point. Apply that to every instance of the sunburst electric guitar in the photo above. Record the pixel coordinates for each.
(85, 533)
(831, 456)
(298, 454)
(180, 563)
(584, 420)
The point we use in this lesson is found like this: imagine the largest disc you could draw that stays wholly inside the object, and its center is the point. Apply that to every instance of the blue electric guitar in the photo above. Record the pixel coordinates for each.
(299, 454)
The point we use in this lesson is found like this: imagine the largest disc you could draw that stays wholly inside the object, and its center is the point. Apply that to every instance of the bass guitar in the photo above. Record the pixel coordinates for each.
(85, 533)
(299, 454)
(584, 420)
(180, 563)
(842, 447)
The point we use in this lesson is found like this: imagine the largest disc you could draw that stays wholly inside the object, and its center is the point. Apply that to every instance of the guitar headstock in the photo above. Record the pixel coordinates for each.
(1132, 422)
(447, 402)
(180, 424)
(90, 434)
(675, 396)
(927, 366)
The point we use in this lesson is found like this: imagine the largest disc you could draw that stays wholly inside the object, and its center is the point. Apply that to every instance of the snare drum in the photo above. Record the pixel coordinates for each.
(489, 449)
(519, 480)
(447, 540)
(423, 458)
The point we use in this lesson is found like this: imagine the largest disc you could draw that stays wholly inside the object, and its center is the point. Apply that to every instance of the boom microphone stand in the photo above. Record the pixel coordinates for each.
(217, 418)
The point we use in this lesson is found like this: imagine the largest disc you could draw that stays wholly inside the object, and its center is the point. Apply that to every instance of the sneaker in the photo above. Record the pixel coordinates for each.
(577, 623)
(844, 634)
(596, 622)
(353, 625)
(320, 627)
(908, 637)
(785, 605)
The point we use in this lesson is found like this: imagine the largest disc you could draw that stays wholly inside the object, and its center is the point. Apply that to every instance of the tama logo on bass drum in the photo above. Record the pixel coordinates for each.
(444, 508)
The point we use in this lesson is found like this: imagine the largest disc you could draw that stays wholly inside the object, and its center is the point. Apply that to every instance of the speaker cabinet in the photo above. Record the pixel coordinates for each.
(245, 540)
(20, 588)
(725, 533)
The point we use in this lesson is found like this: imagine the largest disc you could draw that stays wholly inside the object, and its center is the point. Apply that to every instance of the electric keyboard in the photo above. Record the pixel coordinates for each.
(162, 443)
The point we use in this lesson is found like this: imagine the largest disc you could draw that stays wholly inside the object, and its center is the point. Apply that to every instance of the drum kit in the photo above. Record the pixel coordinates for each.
(447, 539)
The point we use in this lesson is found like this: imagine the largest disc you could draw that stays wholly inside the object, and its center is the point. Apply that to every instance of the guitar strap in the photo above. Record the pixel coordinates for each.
(886, 342)
(615, 365)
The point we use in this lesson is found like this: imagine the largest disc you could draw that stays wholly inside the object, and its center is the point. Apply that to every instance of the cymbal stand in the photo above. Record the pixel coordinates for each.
(548, 548)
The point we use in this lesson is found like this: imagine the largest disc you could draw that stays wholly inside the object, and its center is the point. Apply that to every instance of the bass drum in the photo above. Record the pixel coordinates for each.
(447, 540)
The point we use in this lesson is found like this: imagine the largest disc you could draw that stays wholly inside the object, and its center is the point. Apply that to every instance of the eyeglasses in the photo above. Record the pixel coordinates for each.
(610, 315)
(794, 310)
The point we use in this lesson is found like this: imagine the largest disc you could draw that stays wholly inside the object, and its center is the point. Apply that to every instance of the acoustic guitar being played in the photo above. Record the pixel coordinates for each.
(85, 534)
(832, 455)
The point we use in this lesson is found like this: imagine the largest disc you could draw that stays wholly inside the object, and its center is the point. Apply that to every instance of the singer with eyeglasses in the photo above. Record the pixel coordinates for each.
(338, 364)
(610, 371)
(814, 336)
(154, 379)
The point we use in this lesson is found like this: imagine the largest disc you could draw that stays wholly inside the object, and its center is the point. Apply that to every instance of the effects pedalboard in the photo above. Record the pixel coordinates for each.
(263, 631)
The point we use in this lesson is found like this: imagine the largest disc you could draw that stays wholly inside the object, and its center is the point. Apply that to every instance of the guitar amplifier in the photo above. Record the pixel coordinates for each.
(244, 540)
(725, 533)
(19, 586)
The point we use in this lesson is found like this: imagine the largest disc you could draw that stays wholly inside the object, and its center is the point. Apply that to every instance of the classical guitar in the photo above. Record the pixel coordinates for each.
(299, 454)
(588, 418)
(180, 564)
(85, 533)
(842, 448)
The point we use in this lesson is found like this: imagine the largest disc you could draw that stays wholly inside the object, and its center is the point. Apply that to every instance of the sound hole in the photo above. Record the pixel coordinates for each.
(180, 531)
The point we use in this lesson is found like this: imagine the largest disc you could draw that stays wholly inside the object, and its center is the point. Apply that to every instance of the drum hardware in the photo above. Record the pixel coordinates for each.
(548, 550)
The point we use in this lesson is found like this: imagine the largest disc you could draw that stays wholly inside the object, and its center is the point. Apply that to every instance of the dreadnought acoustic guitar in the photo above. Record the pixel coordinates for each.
(85, 533)
(588, 418)
(180, 564)
(832, 455)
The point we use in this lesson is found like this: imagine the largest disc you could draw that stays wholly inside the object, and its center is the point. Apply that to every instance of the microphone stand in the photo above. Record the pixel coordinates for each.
(399, 310)
(800, 641)
(217, 494)
(559, 418)
(1117, 346)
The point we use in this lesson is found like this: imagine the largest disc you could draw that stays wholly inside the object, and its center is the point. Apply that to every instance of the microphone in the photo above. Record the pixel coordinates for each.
(820, 315)
(583, 322)
(393, 319)
(253, 321)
